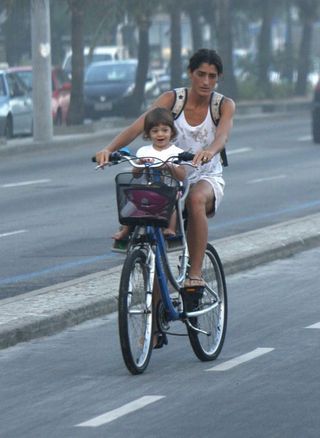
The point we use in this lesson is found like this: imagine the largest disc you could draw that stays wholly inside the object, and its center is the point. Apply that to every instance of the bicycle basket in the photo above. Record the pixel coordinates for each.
(147, 199)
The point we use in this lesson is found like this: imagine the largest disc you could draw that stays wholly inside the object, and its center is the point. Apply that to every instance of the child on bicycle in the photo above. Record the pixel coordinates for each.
(159, 128)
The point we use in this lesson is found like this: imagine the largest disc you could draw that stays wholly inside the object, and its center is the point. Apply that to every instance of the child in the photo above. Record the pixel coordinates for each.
(159, 128)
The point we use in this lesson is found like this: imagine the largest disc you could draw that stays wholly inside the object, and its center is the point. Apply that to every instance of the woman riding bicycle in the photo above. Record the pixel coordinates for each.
(197, 133)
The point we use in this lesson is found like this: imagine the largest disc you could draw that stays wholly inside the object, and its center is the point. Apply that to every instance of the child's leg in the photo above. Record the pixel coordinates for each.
(171, 230)
(122, 234)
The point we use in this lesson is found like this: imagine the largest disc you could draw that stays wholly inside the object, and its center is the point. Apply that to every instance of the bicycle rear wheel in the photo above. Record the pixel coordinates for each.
(135, 313)
(214, 322)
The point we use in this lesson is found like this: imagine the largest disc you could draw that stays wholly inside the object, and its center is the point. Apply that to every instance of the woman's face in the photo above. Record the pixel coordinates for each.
(204, 79)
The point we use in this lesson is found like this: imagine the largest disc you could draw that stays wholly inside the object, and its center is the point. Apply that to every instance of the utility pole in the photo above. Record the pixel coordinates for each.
(41, 66)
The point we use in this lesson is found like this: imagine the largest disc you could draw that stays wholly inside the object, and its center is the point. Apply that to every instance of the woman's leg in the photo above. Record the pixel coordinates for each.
(200, 201)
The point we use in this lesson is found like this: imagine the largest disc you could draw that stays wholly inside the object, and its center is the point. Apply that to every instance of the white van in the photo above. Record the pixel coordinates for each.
(100, 53)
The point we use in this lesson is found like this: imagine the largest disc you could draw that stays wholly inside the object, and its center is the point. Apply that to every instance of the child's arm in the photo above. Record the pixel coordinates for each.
(177, 171)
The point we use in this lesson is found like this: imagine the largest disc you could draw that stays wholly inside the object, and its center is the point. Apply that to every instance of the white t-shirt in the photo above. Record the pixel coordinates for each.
(149, 151)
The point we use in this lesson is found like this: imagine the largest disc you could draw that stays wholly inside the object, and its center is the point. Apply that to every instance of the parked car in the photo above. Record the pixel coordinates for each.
(16, 110)
(61, 90)
(100, 53)
(108, 85)
(316, 114)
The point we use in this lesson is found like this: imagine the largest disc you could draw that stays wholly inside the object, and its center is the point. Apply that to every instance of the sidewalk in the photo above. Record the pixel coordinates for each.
(50, 310)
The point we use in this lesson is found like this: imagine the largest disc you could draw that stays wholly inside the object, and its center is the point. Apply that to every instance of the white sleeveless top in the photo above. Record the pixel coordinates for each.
(194, 138)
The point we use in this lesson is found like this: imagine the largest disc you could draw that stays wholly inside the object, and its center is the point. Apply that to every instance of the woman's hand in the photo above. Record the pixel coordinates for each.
(202, 157)
(102, 157)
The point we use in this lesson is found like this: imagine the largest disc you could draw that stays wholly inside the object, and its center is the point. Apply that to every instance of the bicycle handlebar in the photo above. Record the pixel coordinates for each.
(118, 157)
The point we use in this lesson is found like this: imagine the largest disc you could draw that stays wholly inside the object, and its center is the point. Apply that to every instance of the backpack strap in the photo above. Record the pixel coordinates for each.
(181, 95)
(215, 110)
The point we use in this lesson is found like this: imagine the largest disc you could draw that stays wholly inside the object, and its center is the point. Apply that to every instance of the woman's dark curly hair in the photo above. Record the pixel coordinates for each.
(207, 56)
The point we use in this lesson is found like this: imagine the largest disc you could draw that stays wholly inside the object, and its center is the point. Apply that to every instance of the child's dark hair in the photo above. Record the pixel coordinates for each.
(207, 56)
(158, 116)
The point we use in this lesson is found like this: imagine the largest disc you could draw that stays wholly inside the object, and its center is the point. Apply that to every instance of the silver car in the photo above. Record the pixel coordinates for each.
(16, 109)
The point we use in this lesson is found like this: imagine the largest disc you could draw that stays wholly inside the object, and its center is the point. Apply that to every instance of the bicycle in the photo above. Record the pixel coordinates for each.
(146, 203)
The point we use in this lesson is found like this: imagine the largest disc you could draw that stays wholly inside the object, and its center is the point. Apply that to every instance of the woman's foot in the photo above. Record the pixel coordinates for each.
(194, 281)
(159, 340)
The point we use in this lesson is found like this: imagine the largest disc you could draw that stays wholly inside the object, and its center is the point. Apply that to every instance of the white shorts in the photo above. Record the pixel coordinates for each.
(217, 183)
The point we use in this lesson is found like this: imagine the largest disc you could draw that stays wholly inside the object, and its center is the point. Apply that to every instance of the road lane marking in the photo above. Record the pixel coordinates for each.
(305, 138)
(268, 178)
(25, 183)
(12, 233)
(241, 359)
(239, 151)
(120, 412)
(314, 326)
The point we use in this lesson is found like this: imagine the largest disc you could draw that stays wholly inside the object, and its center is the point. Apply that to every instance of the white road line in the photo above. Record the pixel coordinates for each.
(241, 359)
(120, 412)
(314, 326)
(25, 183)
(238, 151)
(12, 233)
(269, 178)
(305, 138)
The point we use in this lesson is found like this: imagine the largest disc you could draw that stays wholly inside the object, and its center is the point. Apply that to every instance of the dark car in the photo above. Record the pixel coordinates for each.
(61, 90)
(316, 114)
(109, 84)
(16, 109)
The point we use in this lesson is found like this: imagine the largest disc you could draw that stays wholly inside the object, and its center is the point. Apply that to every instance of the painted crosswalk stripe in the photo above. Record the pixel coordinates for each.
(241, 359)
(314, 326)
(25, 183)
(12, 233)
(120, 412)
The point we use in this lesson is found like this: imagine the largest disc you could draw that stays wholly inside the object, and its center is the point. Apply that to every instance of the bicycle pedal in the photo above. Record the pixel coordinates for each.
(174, 243)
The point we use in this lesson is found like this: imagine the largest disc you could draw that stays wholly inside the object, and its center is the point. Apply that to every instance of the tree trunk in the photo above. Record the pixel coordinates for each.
(264, 55)
(228, 85)
(307, 13)
(196, 28)
(288, 67)
(176, 44)
(137, 100)
(76, 109)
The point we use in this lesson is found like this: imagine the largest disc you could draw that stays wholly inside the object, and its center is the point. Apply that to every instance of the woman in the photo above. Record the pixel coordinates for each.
(197, 133)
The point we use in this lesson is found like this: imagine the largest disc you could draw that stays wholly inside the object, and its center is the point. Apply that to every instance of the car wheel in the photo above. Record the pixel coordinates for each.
(8, 130)
(316, 125)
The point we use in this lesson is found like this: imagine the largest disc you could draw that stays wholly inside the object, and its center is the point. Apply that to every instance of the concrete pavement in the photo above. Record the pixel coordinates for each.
(50, 310)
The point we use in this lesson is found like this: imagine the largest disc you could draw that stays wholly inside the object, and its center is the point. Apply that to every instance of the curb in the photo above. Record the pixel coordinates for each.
(50, 310)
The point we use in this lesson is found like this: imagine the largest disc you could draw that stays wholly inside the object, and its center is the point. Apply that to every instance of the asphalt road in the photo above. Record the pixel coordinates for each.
(264, 384)
(58, 214)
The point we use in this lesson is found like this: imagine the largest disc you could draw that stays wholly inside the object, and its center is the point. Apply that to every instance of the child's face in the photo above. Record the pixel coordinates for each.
(160, 136)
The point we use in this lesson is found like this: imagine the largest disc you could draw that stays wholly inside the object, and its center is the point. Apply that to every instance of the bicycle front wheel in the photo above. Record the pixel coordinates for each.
(135, 313)
(213, 322)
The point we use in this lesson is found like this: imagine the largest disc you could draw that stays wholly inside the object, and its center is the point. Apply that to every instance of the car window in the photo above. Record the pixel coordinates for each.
(16, 86)
(26, 77)
(111, 73)
(2, 86)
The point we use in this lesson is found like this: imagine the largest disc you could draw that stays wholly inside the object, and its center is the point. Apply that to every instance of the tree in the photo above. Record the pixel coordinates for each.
(308, 15)
(264, 47)
(76, 109)
(225, 42)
